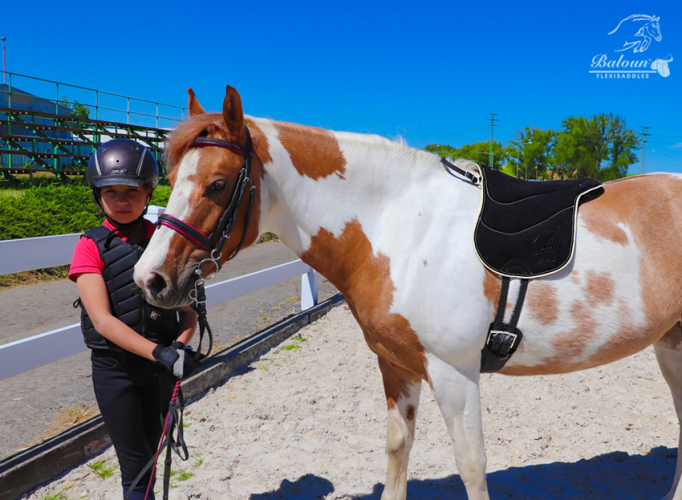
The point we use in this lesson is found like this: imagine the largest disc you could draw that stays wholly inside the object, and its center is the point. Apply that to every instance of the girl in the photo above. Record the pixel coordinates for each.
(137, 348)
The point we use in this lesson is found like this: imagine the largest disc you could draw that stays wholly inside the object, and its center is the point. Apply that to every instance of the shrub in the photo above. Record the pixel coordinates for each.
(48, 211)
(52, 210)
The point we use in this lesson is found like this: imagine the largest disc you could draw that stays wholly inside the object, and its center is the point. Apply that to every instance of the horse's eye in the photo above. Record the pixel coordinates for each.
(218, 186)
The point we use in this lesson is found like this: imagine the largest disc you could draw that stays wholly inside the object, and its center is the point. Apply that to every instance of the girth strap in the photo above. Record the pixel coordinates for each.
(503, 338)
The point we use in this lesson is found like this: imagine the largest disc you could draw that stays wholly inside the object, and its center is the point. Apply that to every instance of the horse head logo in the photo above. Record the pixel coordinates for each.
(650, 29)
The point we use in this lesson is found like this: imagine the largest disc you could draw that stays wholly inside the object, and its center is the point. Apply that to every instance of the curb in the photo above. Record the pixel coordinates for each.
(27, 469)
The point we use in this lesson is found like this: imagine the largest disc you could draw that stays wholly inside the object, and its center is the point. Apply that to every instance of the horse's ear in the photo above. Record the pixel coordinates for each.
(233, 113)
(194, 107)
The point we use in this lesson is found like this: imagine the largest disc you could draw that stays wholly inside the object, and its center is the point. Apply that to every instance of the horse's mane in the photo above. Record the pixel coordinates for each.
(184, 133)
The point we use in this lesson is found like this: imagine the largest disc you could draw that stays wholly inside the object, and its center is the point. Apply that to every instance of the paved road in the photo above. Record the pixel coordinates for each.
(33, 401)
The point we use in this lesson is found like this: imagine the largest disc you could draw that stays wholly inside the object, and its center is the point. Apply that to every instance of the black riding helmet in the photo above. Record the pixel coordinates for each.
(122, 162)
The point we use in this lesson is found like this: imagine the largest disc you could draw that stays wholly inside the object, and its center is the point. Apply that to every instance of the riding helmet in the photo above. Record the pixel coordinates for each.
(122, 162)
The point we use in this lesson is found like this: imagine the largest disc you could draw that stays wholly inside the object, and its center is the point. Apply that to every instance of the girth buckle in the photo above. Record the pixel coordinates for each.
(501, 342)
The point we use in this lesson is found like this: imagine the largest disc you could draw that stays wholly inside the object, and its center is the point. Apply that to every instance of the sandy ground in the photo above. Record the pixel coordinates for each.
(309, 422)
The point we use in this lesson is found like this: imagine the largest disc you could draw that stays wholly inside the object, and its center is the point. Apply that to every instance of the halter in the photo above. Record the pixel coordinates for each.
(229, 216)
(224, 227)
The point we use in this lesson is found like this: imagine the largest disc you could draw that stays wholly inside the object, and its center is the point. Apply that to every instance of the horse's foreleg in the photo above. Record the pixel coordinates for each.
(669, 355)
(402, 396)
(458, 396)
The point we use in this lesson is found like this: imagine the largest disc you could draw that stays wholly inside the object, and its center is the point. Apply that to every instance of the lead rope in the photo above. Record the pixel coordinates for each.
(174, 419)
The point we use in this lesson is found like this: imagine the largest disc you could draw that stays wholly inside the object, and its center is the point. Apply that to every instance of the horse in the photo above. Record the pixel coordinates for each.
(651, 29)
(392, 230)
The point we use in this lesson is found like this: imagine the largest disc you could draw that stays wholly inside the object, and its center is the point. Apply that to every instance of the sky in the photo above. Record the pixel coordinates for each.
(430, 72)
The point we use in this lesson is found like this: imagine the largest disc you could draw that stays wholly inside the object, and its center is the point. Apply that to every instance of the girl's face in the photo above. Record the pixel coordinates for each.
(124, 204)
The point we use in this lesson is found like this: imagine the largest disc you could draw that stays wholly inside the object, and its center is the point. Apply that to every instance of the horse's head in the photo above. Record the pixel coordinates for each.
(206, 179)
(654, 28)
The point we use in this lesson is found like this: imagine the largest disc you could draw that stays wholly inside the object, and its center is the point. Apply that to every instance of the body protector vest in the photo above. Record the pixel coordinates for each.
(127, 300)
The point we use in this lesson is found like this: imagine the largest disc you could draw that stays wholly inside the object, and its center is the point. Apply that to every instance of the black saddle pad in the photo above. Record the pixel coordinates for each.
(527, 229)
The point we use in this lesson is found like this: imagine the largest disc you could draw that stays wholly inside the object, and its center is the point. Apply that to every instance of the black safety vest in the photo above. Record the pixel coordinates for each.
(127, 300)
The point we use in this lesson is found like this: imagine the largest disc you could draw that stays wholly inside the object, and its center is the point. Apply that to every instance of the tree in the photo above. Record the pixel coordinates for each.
(532, 151)
(601, 147)
(77, 109)
(478, 152)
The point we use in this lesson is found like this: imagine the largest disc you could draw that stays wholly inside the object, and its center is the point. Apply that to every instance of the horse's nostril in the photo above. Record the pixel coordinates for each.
(156, 283)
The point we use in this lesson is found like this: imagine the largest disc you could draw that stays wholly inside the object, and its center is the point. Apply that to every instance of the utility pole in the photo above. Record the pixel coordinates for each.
(642, 164)
(492, 125)
(4, 66)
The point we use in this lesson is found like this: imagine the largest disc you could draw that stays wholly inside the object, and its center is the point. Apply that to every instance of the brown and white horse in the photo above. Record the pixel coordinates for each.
(393, 231)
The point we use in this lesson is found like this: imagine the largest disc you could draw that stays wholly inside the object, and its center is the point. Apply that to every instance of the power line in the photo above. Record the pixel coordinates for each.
(492, 125)
(642, 165)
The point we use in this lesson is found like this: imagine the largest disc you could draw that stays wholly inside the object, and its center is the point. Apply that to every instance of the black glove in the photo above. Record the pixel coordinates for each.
(189, 365)
(171, 359)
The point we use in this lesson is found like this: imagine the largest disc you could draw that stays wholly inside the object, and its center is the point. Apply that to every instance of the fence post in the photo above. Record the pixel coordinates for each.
(309, 282)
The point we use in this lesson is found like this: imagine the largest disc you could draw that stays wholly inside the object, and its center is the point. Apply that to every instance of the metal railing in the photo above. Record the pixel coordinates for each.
(103, 105)
(25, 254)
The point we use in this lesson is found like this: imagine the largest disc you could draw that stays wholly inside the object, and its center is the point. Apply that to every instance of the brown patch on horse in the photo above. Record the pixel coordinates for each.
(542, 302)
(600, 289)
(651, 207)
(396, 382)
(426, 263)
(575, 277)
(349, 262)
(261, 146)
(314, 152)
(492, 287)
(568, 346)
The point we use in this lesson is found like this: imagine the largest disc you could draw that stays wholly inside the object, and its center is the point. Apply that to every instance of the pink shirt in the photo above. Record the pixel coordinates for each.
(86, 258)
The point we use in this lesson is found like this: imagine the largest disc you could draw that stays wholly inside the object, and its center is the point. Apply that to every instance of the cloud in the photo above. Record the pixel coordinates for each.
(677, 146)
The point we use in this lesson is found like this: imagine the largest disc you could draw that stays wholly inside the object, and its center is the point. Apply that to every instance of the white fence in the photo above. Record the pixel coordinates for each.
(30, 253)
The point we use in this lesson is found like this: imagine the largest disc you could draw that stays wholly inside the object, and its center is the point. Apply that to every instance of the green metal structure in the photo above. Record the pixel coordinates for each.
(58, 136)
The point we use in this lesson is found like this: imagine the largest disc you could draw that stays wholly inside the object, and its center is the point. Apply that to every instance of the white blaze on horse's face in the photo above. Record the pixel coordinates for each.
(150, 265)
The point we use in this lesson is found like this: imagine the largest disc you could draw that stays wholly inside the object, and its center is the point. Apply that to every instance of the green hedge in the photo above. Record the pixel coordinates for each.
(52, 210)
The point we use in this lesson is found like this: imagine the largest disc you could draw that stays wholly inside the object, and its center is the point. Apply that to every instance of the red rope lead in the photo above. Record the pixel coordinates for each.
(176, 390)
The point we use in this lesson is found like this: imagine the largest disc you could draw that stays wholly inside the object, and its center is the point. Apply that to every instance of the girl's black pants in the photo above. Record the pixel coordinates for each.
(133, 396)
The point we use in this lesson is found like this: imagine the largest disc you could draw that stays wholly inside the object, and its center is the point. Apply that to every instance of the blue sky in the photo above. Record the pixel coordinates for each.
(429, 71)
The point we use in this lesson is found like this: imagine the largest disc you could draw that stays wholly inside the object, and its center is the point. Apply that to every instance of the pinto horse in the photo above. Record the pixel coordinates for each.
(392, 230)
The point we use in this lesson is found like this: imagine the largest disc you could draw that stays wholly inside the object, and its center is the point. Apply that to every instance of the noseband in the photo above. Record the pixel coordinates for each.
(229, 216)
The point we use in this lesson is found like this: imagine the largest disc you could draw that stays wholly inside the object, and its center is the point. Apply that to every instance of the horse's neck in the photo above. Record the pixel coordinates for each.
(327, 195)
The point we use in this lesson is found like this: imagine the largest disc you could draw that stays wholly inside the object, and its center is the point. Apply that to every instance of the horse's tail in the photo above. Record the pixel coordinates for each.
(638, 17)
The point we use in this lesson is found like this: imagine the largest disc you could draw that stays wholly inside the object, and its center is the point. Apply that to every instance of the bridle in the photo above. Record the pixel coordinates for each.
(229, 217)
(224, 228)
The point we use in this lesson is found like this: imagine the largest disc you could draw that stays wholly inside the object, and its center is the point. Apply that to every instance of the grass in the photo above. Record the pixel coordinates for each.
(35, 277)
(66, 419)
(56, 496)
(102, 469)
(296, 343)
(184, 476)
(198, 461)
